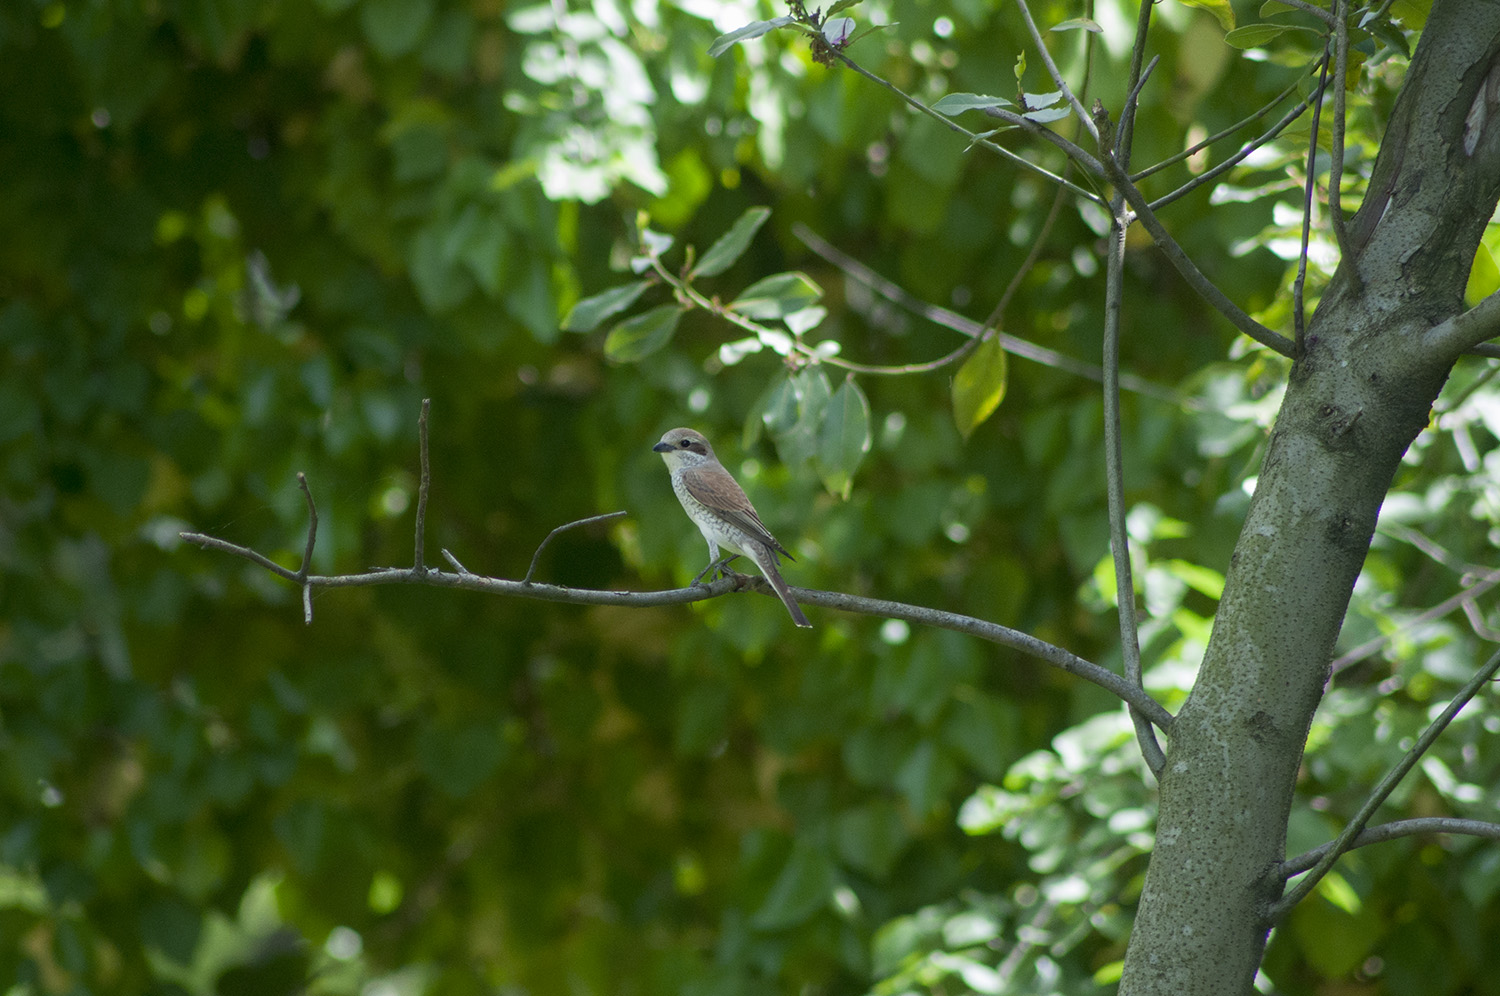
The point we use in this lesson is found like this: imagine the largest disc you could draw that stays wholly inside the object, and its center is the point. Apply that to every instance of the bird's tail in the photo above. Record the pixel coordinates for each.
(767, 564)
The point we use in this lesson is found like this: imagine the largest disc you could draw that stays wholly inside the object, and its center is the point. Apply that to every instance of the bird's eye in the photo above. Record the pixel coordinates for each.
(685, 443)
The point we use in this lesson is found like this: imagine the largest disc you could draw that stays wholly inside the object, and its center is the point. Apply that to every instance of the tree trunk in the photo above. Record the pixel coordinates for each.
(1360, 391)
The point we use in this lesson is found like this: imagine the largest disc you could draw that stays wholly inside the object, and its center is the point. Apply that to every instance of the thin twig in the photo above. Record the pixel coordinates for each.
(973, 137)
(535, 557)
(1340, 22)
(997, 316)
(312, 525)
(964, 325)
(993, 632)
(422, 484)
(1075, 154)
(1193, 150)
(307, 551)
(1393, 830)
(1138, 50)
(1299, 319)
(1464, 598)
(1057, 77)
(1189, 270)
(1317, 12)
(1125, 136)
(1213, 173)
(1387, 785)
(1114, 474)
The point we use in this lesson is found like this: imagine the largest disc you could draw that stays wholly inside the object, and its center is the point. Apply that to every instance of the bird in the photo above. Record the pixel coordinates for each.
(718, 506)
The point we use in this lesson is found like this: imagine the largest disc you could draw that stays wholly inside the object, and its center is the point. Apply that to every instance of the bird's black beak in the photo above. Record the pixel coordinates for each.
(662, 447)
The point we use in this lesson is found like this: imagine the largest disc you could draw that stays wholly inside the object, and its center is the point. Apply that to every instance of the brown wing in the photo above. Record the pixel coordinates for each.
(715, 488)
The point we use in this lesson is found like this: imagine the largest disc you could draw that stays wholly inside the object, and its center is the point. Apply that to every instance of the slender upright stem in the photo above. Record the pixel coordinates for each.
(1356, 826)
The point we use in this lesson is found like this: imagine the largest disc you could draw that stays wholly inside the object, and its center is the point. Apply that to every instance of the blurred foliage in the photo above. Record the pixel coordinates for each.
(244, 239)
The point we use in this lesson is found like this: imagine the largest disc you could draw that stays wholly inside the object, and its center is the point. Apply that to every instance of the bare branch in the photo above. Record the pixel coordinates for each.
(206, 542)
(1057, 77)
(1298, 318)
(312, 525)
(1351, 832)
(1189, 270)
(535, 557)
(1074, 153)
(1193, 150)
(422, 484)
(993, 632)
(1393, 830)
(1114, 473)
(1339, 20)
(1465, 332)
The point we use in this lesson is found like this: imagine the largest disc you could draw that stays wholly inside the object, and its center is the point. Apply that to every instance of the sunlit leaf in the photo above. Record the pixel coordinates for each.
(1484, 277)
(1220, 9)
(957, 103)
(1036, 101)
(1048, 114)
(836, 30)
(1254, 35)
(776, 296)
(590, 313)
(979, 385)
(754, 29)
(1077, 23)
(642, 335)
(843, 5)
(730, 246)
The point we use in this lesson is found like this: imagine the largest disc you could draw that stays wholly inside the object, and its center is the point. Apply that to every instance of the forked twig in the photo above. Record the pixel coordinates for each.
(535, 557)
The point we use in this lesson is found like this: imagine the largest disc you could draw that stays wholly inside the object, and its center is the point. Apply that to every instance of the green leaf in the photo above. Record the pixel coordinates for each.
(754, 29)
(1204, 580)
(590, 313)
(843, 438)
(870, 837)
(979, 385)
(1484, 277)
(730, 246)
(777, 295)
(843, 5)
(1037, 101)
(1077, 23)
(803, 888)
(395, 26)
(1220, 9)
(1048, 114)
(957, 103)
(799, 442)
(1254, 35)
(642, 335)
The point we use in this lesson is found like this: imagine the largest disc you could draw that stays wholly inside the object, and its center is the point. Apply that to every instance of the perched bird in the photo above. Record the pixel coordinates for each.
(717, 504)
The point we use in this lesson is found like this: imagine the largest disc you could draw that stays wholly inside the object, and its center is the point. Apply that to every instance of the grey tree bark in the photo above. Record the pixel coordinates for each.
(1365, 375)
